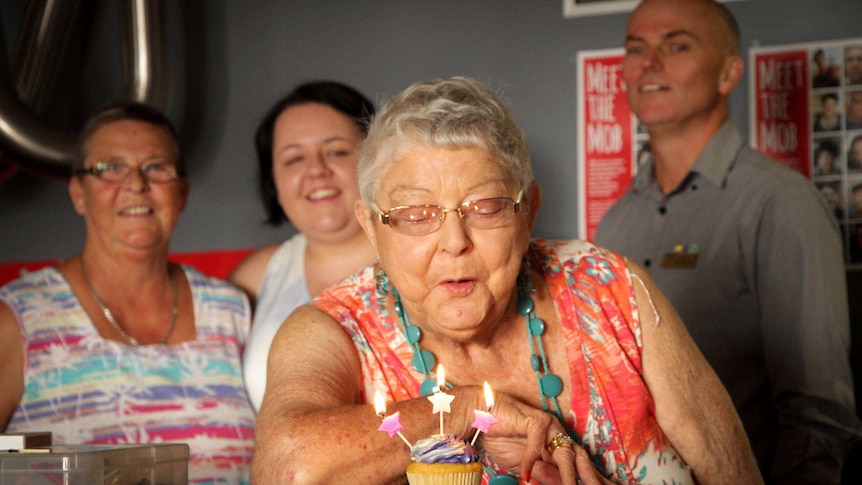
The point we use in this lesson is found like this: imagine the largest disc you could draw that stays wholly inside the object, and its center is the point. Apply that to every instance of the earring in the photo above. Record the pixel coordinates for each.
(524, 275)
(381, 281)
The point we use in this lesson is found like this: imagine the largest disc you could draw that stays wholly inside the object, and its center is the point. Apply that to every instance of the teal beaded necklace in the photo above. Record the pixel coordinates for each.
(550, 385)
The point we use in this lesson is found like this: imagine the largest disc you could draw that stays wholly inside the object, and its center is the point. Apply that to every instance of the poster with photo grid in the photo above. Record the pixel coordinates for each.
(805, 110)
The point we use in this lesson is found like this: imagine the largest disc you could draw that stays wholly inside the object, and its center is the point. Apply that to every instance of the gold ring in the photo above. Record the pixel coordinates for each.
(561, 440)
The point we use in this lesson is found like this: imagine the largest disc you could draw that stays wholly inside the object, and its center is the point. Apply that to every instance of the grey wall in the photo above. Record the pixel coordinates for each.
(231, 59)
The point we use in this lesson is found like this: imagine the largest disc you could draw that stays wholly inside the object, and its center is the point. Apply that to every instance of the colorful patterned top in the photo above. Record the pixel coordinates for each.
(612, 409)
(89, 390)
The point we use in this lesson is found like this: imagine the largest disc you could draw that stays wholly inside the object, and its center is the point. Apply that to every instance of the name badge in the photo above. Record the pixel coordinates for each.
(683, 256)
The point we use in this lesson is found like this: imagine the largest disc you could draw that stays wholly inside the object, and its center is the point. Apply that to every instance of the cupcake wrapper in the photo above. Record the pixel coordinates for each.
(467, 478)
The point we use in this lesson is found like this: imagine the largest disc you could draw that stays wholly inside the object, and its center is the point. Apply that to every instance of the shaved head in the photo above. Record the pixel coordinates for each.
(726, 28)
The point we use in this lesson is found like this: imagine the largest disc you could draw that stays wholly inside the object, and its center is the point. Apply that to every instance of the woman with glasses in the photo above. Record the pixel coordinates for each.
(117, 345)
(307, 149)
(594, 376)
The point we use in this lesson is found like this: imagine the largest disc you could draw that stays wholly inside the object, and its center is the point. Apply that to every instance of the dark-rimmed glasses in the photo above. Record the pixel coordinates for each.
(419, 220)
(114, 172)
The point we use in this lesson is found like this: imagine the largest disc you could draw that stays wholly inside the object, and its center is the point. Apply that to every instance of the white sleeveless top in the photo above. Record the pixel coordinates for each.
(283, 289)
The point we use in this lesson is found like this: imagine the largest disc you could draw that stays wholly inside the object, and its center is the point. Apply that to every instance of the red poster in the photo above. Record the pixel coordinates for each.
(604, 139)
(780, 107)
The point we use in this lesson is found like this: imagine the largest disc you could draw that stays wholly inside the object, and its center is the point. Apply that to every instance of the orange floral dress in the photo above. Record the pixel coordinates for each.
(613, 412)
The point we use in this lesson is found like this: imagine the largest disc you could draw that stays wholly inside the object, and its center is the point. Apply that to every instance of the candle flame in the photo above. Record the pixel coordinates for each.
(489, 396)
(441, 376)
(379, 403)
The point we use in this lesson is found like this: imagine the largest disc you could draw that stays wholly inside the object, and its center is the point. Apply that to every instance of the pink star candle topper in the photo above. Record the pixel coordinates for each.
(440, 399)
(484, 420)
(391, 424)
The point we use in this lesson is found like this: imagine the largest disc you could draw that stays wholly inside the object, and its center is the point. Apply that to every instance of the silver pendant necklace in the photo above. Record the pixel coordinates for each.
(109, 316)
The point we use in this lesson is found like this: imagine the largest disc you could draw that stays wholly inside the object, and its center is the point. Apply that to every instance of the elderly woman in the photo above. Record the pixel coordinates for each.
(117, 344)
(574, 340)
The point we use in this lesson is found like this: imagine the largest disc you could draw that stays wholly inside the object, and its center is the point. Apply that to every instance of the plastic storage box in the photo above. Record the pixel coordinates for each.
(159, 464)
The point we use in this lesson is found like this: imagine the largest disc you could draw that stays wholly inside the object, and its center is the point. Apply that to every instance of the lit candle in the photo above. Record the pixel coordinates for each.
(391, 424)
(484, 420)
(440, 399)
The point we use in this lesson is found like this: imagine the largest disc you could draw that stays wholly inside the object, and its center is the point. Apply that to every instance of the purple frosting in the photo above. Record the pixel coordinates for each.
(443, 449)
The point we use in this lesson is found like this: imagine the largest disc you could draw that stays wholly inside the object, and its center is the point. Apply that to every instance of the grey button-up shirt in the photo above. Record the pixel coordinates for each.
(751, 258)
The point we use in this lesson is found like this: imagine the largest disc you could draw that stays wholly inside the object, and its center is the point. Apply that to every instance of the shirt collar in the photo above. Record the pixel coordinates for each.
(714, 162)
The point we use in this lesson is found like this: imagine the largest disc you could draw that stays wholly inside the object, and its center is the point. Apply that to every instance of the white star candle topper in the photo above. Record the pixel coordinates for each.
(440, 399)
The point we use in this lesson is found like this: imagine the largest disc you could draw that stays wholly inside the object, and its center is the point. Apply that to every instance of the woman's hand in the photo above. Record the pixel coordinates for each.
(520, 439)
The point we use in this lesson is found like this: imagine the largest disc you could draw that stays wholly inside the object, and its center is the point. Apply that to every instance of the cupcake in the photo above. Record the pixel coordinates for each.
(444, 460)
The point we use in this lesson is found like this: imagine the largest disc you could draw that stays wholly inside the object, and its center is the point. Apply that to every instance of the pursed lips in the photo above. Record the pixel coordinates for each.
(458, 287)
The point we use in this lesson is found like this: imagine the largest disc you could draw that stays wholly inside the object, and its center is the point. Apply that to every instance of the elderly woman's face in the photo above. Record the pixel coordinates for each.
(135, 213)
(458, 279)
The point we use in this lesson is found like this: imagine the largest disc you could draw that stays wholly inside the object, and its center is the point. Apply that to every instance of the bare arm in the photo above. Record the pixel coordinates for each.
(248, 274)
(313, 426)
(11, 365)
(692, 407)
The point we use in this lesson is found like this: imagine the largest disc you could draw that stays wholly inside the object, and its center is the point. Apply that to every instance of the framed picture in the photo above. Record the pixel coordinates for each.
(580, 8)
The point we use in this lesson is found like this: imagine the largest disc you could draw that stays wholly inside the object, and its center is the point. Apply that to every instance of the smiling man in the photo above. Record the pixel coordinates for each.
(744, 248)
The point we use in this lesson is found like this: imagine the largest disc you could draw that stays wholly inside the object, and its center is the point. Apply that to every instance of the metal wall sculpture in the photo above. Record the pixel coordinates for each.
(30, 143)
